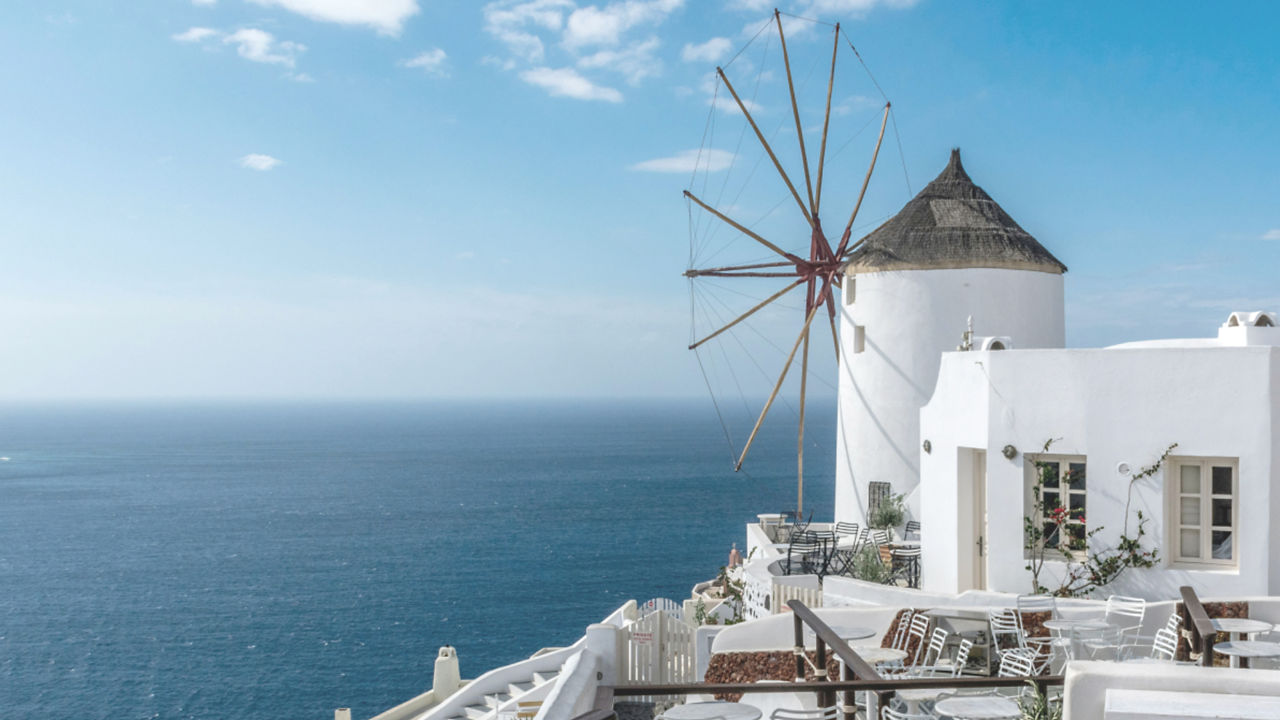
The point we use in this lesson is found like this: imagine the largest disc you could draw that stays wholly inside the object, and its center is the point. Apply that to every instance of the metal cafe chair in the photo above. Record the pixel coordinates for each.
(905, 566)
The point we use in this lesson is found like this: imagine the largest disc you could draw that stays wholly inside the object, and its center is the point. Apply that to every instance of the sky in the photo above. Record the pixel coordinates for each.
(426, 199)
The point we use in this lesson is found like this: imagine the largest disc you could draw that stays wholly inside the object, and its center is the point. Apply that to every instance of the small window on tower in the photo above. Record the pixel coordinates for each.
(859, 338)
(849, 290)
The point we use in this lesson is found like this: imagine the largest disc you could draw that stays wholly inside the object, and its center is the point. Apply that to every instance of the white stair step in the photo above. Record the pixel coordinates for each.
(519, 688)
(540, 678)
(494, 700)
(476, 712)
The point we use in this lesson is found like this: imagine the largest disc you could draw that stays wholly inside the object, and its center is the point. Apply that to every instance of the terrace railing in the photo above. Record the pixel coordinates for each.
(1198, 619)
(858, 675)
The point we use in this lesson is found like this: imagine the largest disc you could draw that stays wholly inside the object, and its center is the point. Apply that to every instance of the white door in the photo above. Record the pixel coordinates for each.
(980, 519)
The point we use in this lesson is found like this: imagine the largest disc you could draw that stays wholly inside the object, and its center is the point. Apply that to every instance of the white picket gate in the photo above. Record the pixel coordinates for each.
(658, 649)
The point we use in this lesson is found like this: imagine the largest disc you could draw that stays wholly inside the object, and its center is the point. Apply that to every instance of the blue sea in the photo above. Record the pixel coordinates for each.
(276, 560)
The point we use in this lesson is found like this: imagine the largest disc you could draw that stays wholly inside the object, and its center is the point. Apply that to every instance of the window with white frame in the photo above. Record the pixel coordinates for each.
(1202, 497)
(1061, 482)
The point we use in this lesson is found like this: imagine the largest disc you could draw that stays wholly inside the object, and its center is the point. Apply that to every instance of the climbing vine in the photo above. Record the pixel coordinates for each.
(1095, 568)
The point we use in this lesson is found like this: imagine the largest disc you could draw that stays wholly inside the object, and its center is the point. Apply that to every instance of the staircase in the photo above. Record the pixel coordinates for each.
(530, 689)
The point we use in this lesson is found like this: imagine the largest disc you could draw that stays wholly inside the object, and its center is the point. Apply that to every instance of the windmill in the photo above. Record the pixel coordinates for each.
(818, 268)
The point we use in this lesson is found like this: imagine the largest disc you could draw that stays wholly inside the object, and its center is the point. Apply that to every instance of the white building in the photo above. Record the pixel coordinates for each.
(1213, 507)
(961, 432)
(951, 253)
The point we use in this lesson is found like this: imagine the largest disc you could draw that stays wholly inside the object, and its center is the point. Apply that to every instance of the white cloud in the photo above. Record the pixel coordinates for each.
(566, 82)
(299, 77)
(853, 8)
(261, 46)
(635, 62)
(593, 25)
(431, 62)
(710, 51)
(385, 16)
(511, 23)
(204, 3)
(196, 34)
(1271, 234)
(687, 160)
(259, 162)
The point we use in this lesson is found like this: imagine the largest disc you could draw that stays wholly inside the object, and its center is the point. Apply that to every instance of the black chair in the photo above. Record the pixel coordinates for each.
(913, 526)
(905, 566)
(801, 556)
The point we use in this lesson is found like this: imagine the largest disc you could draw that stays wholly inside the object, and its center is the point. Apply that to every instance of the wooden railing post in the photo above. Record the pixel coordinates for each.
(799, 649)
(826, 698)
(1199, 619)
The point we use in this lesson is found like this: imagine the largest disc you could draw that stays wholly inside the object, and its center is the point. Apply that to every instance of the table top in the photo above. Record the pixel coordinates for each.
(709, 710)
(978, 707)
(922, 694)
(844, 632)
(1240, 625)
(1124, 704)
(1248, 648)
(877, 655)
(1064, 624)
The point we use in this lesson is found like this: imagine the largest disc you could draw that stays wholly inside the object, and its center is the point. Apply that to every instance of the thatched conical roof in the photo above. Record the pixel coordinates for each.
(952, 223)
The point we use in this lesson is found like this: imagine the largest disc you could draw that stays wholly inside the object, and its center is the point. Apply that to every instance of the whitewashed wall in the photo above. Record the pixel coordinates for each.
(909, 318)
(1112, 405)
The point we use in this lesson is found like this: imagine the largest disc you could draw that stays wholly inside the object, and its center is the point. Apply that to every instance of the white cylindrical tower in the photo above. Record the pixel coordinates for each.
(952, 253)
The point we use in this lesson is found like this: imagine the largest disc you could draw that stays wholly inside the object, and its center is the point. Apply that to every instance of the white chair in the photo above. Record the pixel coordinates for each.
(1124, 620)
(1008, 636)
(888, 713)
(946, 667)
(937, 642)
(1017, 663)
(917, 631)
(1044, 647)
(826, 713)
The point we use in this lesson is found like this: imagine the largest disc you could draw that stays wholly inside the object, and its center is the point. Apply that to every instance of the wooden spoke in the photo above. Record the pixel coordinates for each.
(795, 111)
(740, 228)
(804, 377)
(760, 136)
(695, 272)
(867, 179)
(774, 395)
(826, 122)
(750, 312)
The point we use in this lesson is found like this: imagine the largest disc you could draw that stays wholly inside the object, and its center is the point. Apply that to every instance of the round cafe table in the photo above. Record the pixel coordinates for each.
(879, 655)
(978, 707)
(1071, 630)
(1240, 626)
(1242, 650)
(847, 633)
(713, 711)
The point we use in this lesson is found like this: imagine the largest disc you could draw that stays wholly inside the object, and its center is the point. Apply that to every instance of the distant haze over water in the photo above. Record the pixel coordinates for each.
(280, 560)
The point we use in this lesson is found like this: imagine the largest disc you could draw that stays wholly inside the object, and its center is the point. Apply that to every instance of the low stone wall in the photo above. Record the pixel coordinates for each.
(1215, 610)
(750, 667)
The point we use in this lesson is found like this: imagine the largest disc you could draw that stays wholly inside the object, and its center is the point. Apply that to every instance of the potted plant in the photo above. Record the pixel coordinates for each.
(889, 515)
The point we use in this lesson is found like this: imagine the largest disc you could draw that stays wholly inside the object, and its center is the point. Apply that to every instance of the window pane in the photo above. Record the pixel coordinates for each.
(1221, 480)
(1075, 475)
(1048, 473)
(1190, 510)
(1077, 503)
(1189, 546)
(1075, 537)
(1190, 479)
(1221, 545)
(1221, 512)
(1051, 501)
(1050, 535)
